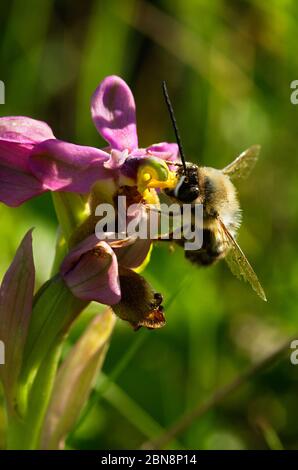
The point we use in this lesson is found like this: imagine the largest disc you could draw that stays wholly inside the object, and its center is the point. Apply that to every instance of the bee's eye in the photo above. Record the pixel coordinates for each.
(186, 190)
(188, 193)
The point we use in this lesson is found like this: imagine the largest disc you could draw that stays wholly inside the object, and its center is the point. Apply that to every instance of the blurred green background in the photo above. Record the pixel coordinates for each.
(229, 65)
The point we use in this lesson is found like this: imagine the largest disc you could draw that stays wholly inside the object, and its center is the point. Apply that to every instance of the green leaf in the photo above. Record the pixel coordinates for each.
(16, 295)
(75, 379)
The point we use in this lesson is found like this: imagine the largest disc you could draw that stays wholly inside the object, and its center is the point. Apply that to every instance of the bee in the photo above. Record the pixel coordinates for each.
(216, 192)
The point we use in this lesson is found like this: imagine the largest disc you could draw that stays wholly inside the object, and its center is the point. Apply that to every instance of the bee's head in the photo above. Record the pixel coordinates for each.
(187, 189)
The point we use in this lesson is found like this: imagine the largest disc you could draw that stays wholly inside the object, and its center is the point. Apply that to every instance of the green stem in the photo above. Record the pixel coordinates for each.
(54, 310)
(23, 433)
(186, 420)
(71, 211)
(60, 252)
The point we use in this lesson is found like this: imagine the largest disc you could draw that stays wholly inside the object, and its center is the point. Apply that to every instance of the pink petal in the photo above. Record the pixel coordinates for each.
(18, 135)
(165, 151)
(68, 167)
(24, 130)
(114, 113)
(91, 272)
(17, 184)
(116, 160)
(132, 256)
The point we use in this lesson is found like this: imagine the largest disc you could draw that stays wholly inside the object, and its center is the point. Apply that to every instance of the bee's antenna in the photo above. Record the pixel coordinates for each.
(173, 119)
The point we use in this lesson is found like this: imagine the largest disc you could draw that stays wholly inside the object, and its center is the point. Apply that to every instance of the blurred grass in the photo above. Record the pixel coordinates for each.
(229, 65)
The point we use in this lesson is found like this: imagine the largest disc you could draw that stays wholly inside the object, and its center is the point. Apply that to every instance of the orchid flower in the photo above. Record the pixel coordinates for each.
(95, 271)
(33, 161)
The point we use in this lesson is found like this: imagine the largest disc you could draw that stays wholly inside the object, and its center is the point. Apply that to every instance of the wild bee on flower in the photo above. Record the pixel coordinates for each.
(33, 161)
(87, 268)
(221, 209)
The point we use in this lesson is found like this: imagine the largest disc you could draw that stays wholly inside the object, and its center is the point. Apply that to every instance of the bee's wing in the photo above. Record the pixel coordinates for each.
(239, 264)
(243, 165)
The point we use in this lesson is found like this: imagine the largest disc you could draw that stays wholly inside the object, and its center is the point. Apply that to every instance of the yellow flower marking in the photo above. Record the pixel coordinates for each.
(155, 174)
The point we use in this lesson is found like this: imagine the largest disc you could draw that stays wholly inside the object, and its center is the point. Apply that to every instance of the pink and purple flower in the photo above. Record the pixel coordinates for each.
(33, 161)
